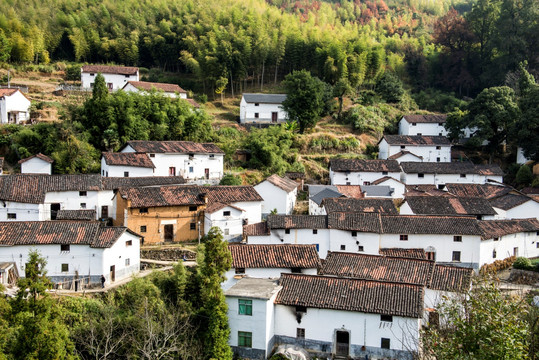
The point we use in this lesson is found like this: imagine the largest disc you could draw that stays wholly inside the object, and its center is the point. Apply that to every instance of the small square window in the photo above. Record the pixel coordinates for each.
(212, 156)
(301, 309)
(414, 124)
(65, 247)
(366, 182)
(129, 242)
(403, 147)
(143, 210)
(257, 104)
(437, 159)
(315, 231)
(227, 231)
(456, 256)
(256, 115)
(245, 339)
(192, 208)
(226, 213)
(494, 254)
(143, 228)
(92, 74)
(245, 307)
(384, 172)
(287, 231)
(127, 262)
(496, 239)
(419, 134)
(295, 270)
(343, 247)
(83, 193)
(354, 233)
(11, 215)
(438, 148)
(300, 333)
(537, 244)
(239, 271)
(403, 237)
(385, 343)
(152, 155)
(457, 238)
(360, 248)
(65, 267)
(387, 318)
(462, 175)
(83, 205)
(192, 226)
(420, 175)
(126, 173)
(191, 169)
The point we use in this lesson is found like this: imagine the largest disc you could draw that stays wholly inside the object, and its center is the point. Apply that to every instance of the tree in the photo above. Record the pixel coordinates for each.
(304, 98)
(524, 176)
(341, 89)
(230, 179)
(5, 47)
(481, 324)
(390, 88)
(527, 126)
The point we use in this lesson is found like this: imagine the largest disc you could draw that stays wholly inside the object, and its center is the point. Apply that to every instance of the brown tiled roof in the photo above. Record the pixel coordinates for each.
(530, 191)
(412, 167)
(113, 183)
(380, 268)
(297, 222)
(384, 179)
(430, 118)
(274, 256)
(385, 206)
(404, 253)
(58, 232)
(417, 140)
(39, 156)
(180, 147)
(451, 278)
(230, 194)
(87, 214)
(402, 153)
(351, 191)
(416, 224)
(7, 92)
(216, 206)
(294, 175)
(338, 164)
(193, 103)
(509, 201)
(104, 69)
(285, 184)
(486, 191)
(327, 292)
(128, 159)
(497, 228)
(148, 86)
(422, 205)
(425, 190)
(363, 222)
(257, 229)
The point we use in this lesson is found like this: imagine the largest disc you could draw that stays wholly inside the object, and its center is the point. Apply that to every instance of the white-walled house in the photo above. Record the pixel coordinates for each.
(446, 205)
(115, 76)
(398, 187)
(439, 174)
(316, 200)
(231, 217)
(126, 165)
(72, 249)
(14, 106)
(405, 156)
(373, 205)
(262, 109)
(426, 125)
(278, 193)
(269, 261)
(521, 158)
(36, 164)
(429, 148)
(144, 87)
(361, 172)
(201, 162)
(515, 206)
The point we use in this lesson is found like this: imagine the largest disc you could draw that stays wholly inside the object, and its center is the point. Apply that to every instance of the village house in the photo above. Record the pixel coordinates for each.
(269, 261)
(202, 162)
(397, 187)
(439, 174)
(126, 164)
(36, 164)
(384, 206)
(429, 148)
(405, 156)
(426, 125)
(262, 109)
(361, 172)
(317, 194)
(515, 206)
(445, 205)
(116, 77)
(74, 250)
(504, 238)
(278, 193)
(178, 213)
(144, 87)
(14, 107)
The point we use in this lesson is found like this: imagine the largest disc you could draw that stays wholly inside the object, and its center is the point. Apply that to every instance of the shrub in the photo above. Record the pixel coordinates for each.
(72, 72)
(523, 263)
(524, 175)
(279, 357)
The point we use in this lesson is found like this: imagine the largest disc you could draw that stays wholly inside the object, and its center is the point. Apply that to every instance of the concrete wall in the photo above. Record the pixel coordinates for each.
(248, 110)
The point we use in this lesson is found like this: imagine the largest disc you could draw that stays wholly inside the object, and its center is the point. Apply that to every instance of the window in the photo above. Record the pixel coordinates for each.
(11, 215)
(226, 213)
(387, 318)
(245, 339)
(172, 171)
(143, 210)
(212, 156)
(287, 231)
(257, 104)
(82, 193)
(496, 238)
(456, 256)
(457, 238)
(191, 169)
(441, 186)
(256, 115)
(152, 155)
(92, 74)
(301, 309)
(354, 233)
(65, 267)
(414, 124)
(300, 333)
(385, 344)
(420, 175)
(437, 159)
(192, 226)
(403, 147)
(431, 255)
(384, 172)
(126, 173)
(348, 183)
(239, 271)
(343, 247)
(419, 134)
(127, 262)
(315, 231)
(65, 247)
(438, 148)
(317, 247)
(143, 228)
(295, 270)
(193, 208)
(360, 249)
(129, 242)
(494, 254)
(537, 244)
(104, 211)
(462, 175)
(403, 237)
(245, 307)
(366, 182)
(83, 205)
(227, 231)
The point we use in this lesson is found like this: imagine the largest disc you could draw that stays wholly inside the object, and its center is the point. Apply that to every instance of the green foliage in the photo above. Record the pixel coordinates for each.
(438, 101)
(230, 179)
(524, 176)
(523, 263)
(390, 88)
(527, 126)
(366, 119)
(5, 46)
(327, 142)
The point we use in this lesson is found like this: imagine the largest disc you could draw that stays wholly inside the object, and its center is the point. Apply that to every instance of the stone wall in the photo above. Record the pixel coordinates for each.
(523, 277)
(167, 254)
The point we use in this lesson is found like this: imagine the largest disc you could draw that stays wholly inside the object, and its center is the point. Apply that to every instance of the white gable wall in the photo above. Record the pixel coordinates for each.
(275, 198)
(358, 178)
(522, 211)
(264, 111)
(119, 170)
(260, 273)
(118, 255)
(408, 157)
(117, 81)
(426, 129)
(36, 166)
(428, 153)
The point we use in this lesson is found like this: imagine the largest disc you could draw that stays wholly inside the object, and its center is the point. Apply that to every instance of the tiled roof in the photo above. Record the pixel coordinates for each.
(274, 256)
(497, 228)
(87, 214)
(230, 194)
(380, 268)
(351, 191)
(58, 232)
(326, 292)
(486, 191)
(180, 147)
(431, 118)
(295, 175)
(404, 253)
(384, 179)
(256, 229)
(412, 167)
(104, 69)
(362, 165)
(417, 140)
(509, 201)
(414, 224)
(319, 197)
(422, 205)
(451, 278)
(377, 190)
(39, 156)
(385, 206)
(285, 184)
(297, 222)
(193, 103)
(7, 92)
(128, 159)
(113, 183)
(216, 206)
(402, 153)
(148, 86)
(265, 98)
(425, 190)
(363, 222)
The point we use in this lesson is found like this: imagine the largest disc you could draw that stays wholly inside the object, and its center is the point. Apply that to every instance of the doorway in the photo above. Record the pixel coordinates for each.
(169, 232)
(112, 273)
(342, 343)
(207, 173)
(274, 117)
(54, 211)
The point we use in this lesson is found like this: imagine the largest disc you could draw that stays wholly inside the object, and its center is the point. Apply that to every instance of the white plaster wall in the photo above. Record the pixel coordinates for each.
(23, 211)
(303, 237)
(428, 153)
(36, 166)
(314, 209)
(118, 81)
(274, 198)
(526, 242)
(427, 129)
(261, 273)
(414, 179)
(369, 241)
(173, 95)
(399, 189)
(234, 222)
(16, 102)
(253, 210)
(71, 200)
(408, 157)
(523, 211)
(118, 253)
(118, 171)
(248, 110)
(358, 178)
(106, 198)
(521, 159)
(405, 209)
(365, 329)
